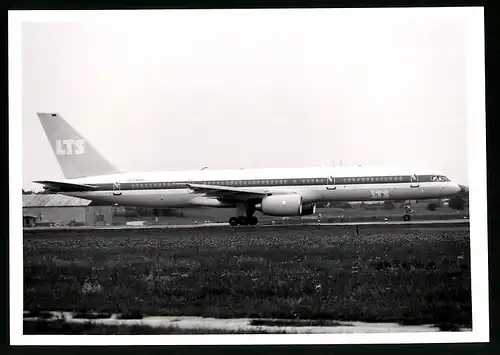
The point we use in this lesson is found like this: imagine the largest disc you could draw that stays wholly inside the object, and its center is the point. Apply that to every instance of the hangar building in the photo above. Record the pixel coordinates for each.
(45, 209)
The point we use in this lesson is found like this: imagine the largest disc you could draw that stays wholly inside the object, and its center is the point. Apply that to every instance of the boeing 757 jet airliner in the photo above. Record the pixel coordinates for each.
(275, 192)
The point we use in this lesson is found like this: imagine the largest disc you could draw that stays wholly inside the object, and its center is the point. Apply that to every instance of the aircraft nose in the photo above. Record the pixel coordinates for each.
(452, 189)
(457, 188)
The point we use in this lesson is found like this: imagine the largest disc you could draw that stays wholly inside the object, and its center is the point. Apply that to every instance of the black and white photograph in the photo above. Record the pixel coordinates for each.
(261, 176)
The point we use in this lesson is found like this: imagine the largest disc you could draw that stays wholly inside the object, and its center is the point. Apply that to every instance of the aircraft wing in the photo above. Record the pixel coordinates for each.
(229, 192)
(66, 186)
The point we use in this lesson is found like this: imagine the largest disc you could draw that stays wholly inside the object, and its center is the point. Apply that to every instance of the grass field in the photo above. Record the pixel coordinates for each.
(409, 277)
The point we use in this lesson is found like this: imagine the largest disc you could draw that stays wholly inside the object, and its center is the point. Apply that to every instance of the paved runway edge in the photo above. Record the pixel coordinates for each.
(455, 222)
(239, 324)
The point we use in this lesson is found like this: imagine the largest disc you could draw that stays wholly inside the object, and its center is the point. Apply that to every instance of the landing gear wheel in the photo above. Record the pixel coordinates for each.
(253, 221)
(406, 217)
(242, 221)
(234, 221)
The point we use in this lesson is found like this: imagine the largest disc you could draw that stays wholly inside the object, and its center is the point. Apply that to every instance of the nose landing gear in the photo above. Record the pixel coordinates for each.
(408, 210)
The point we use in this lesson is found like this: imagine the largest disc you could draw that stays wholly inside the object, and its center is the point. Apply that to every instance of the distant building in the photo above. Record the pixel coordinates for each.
(44, 209)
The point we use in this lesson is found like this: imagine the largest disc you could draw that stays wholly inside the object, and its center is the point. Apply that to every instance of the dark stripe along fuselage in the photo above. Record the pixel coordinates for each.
(356, 180)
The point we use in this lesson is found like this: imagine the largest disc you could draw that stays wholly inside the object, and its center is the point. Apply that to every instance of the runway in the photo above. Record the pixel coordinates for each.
(464, 223)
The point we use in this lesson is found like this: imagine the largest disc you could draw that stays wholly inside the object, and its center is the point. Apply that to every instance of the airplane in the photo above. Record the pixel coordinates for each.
(273, 192)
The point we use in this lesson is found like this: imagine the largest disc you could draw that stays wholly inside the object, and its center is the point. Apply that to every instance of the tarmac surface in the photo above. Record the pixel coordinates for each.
(420, 224)
(244, 324)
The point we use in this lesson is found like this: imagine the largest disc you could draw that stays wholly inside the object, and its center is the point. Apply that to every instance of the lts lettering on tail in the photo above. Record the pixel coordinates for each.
(70, 146)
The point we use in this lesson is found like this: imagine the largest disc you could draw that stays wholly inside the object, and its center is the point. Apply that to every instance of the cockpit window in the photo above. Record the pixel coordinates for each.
(443, 178)
(434, 178)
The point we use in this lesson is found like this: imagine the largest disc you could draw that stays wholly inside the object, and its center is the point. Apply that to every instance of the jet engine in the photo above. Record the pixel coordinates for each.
(308, 209)
(281, 205)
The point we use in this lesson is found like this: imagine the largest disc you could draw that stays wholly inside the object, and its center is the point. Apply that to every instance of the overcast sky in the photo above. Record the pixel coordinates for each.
(253, 89)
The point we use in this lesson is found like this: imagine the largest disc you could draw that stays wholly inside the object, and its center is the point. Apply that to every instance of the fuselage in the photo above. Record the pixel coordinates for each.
(322, 184)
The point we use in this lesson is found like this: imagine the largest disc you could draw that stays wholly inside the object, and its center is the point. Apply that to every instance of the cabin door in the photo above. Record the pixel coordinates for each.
(414, 181)
(330, 184)
(116, 189)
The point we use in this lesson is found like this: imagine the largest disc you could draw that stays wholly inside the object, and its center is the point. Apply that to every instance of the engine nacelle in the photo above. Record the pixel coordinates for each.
(308, 209)
(281, 205)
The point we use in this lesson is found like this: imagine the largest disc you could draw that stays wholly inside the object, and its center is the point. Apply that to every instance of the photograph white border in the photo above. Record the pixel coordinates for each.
(476, 145)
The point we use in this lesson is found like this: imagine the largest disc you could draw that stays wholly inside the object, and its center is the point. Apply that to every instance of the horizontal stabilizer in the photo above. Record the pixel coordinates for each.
(66, 186)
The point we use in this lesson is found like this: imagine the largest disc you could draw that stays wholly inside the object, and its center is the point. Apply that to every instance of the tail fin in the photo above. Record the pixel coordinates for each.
(75, 155)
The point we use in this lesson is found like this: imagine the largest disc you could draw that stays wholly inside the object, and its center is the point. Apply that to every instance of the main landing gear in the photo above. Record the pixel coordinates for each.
(408, 210)
(243, 221)
(245, 216)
